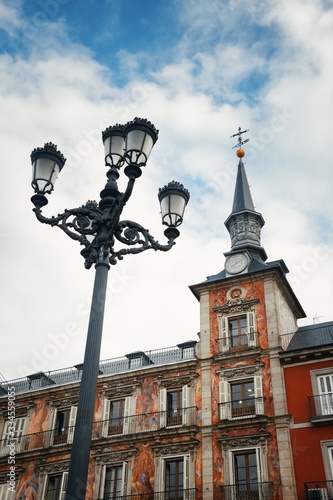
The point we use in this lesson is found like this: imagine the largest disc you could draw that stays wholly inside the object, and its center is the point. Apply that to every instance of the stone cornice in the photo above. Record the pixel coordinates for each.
(236, 306)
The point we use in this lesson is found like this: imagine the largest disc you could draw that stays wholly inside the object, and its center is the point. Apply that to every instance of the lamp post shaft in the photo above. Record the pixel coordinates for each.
(79, 462)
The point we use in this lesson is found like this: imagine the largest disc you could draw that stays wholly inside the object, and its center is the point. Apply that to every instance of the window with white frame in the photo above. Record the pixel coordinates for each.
(241, 397)
(117, 416)
(63, 425)
(322, 386)
(174, 477)
(113, 481)
(175, 406)
(325, 389)
(7, 492)
(13, 430)
(55, 487)
(237, 332)
(327, 453)
(245, 473)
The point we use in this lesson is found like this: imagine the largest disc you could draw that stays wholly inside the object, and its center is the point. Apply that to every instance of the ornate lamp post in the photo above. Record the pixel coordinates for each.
(98, 228)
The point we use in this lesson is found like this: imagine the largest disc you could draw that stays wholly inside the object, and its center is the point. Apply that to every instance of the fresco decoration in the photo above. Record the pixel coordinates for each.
(218, 472)
(143, 472)
(273, 463)
(147, 406)
(90, 479)
(39, 423)
(27, 487)
(248, 291)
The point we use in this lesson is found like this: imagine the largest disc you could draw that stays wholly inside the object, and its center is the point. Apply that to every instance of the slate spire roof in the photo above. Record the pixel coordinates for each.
(242, 196)
(244, 223)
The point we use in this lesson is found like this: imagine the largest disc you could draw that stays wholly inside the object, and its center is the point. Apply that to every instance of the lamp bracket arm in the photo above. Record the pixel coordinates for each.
(77, 223)
(137, 238)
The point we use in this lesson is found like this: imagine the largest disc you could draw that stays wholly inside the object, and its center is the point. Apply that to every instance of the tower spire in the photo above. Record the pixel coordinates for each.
(244, 223)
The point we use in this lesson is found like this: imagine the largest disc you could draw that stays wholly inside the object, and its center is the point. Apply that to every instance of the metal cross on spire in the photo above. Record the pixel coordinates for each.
(239, 134)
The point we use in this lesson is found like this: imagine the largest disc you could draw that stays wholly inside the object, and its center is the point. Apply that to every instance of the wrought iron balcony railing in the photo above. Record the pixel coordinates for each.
(250, 491)
(245, 408)
(183, 494)
(319, 490)
(133, 424)
(321, 407)
(236, 343)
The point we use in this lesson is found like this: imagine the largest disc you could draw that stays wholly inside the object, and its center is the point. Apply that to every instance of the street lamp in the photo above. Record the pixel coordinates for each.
(98, 228)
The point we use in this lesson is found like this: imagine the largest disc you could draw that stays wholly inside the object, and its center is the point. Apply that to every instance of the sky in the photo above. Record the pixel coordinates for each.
(197, 70)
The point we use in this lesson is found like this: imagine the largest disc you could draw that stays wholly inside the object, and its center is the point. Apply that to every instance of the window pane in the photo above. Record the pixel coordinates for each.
(53, 488)
(113, 481)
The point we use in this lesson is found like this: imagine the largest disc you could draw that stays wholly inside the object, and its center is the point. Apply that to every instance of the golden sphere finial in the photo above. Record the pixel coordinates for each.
(240, 153)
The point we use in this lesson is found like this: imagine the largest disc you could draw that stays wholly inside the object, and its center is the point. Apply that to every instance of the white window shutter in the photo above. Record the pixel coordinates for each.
(42, 494)
(64, 482)
(52, 425)
(161, 475)
(163, 407)
(225, 400)
(71, 424)
(258, 395)
(251, 329)
(186, 404)
(102, 482)
(127, 415)
(186, 475)
(105, 417)
(259, 467)
(124, 479)
(224, 334)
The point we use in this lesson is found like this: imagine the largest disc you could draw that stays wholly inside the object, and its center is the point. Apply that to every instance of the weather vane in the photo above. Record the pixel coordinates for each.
(240, 152)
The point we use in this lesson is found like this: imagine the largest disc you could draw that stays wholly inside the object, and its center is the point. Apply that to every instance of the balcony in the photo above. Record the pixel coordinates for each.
(246, 408)
(188, 494)
(252, 491)
(237, 343)
(319, 490)
(321, 408)
(134, 424)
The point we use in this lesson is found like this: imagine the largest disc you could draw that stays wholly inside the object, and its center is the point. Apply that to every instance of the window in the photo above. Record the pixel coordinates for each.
(174, 480)
(245, 469)
(113, 481)
(327, 453)
(325, 388)
(13, 429)
(175, 407)
(237, 332)
(63, 426)
(56, 487)
(241, 398)
(7, 492)
(116, 416)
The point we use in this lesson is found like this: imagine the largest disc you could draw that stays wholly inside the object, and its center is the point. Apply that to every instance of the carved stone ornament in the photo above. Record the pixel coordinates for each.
(236, 306)
(242, 371)
(51, 468)
(177, 381)
(64, 402)
(245, 441)
(120, 391)
(115, 456)
(175, 448)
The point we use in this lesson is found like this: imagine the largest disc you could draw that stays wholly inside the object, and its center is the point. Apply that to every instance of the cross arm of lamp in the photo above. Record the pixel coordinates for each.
(96, 225)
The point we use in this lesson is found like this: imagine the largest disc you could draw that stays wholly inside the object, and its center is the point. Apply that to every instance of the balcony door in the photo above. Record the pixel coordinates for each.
(246, 475)
(325, 386)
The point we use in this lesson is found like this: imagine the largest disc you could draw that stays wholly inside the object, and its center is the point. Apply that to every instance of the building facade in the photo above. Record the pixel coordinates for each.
(210, 419)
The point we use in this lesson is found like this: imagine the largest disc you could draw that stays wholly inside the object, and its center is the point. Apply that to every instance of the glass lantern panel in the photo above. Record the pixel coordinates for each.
(138, 146)
(172, 209)
(45, 173)
(114, 149)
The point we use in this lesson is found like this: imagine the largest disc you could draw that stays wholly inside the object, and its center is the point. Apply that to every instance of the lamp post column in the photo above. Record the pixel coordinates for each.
(79, 462)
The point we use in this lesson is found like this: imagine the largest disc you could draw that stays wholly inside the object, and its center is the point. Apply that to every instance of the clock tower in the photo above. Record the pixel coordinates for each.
(244, 311)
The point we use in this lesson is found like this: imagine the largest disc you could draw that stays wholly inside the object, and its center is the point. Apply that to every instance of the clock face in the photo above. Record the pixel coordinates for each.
(236, 263)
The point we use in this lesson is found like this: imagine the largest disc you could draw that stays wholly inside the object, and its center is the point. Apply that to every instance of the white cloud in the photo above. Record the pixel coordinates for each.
(64, 95)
